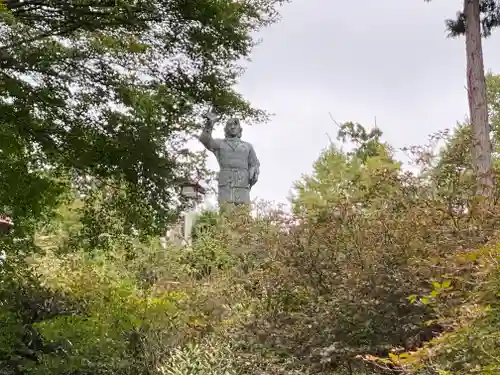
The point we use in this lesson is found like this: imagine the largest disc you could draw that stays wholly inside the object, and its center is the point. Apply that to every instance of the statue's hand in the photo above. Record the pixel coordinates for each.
(211, 116)
(254, 176)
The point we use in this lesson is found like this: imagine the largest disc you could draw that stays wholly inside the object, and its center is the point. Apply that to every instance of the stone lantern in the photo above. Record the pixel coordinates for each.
(192, 191)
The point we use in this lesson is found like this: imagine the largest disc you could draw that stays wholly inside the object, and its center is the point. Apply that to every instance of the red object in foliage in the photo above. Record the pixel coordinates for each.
(5, 223)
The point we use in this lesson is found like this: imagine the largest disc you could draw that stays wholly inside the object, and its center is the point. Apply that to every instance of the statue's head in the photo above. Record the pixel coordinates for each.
(233, 128)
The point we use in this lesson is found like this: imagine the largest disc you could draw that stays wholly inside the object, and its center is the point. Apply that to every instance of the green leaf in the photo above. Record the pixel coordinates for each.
(425, 300)
(446, 284)
(393, 357)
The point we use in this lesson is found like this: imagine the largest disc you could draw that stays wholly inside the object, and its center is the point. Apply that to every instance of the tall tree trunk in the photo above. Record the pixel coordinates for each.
(476, 84)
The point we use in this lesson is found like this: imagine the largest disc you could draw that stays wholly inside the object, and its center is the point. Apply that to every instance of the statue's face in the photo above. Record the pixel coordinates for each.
(233, 128)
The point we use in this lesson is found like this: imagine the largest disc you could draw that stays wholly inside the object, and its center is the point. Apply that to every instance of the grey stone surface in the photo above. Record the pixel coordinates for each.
(238, 163)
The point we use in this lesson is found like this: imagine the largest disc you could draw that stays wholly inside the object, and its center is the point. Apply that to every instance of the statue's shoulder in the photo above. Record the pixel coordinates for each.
(219, 141)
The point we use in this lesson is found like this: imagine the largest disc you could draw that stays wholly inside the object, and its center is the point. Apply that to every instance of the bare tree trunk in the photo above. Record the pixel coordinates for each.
(476, 84)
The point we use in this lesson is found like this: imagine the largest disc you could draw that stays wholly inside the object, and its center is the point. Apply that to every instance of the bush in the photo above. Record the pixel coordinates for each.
(466, 304)
(87, 314)
(208, 221)
(376, 270)
(336, 285)
(24, 302)
(200, 359)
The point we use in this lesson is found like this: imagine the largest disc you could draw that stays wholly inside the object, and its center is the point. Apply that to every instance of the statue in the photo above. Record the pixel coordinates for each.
(238, 163)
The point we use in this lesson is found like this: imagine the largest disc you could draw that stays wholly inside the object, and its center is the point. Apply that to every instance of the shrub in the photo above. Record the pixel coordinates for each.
(206, 222)
(331, 286)
(90, 315)
(24, 302)
(200, 359)
(376, 270)
(466, 305)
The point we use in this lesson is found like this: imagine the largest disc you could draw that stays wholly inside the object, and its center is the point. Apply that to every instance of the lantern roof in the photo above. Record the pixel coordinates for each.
(195, 185)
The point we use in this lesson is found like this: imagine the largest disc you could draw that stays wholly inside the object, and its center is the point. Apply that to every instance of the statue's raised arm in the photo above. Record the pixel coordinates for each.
(205, 137)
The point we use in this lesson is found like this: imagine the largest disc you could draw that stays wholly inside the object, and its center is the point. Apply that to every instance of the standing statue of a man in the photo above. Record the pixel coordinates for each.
(238, 163)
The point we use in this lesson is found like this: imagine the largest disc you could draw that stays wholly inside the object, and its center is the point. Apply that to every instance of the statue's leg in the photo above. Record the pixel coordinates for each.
(241, 195)
(224, 194)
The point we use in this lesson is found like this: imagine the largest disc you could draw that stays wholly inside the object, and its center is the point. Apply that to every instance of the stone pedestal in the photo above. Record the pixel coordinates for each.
(189, 222)
(180, 233)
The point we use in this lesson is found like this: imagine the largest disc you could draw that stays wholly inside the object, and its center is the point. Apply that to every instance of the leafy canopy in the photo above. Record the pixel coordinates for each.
(103, 92)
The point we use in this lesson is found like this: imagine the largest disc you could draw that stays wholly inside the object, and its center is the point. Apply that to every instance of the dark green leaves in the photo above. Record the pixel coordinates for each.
(490, 18)
(113, 89)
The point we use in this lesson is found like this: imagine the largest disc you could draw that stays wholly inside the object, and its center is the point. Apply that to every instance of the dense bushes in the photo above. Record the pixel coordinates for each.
(466, 305)
(377, 270)
(352, 282)
(87, 316)
(364, 274)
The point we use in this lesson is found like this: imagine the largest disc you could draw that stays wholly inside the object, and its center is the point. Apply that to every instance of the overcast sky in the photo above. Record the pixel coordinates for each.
(356, 59)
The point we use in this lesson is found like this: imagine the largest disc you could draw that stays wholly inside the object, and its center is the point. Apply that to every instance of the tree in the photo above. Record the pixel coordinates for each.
(476, 89)
(493, 96)
(96, 93)
(478, 18)
(452, 173)
(348, 179)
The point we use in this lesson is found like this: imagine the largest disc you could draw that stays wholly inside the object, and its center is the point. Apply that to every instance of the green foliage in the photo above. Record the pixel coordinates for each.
(339, 177)
(366, 143)
(111, 324)
(207, 221)
(490, 18)
(470, 315)
(204, 359)
(230, 242)
(493, 97)
(206, 256)
(373, 270)
(97, 99)
(24, 301)
(452, 172)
